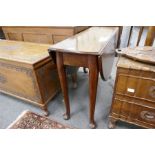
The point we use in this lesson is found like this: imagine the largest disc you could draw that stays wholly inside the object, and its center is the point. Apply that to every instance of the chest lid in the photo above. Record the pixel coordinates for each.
(30, 53)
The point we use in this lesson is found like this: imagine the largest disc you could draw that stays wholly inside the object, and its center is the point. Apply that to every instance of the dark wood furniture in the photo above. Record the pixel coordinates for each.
(127, 106)
(27, 72)
(134, 93)
(93, 48)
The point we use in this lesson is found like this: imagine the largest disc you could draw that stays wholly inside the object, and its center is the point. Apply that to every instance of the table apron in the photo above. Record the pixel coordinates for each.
(76, 59)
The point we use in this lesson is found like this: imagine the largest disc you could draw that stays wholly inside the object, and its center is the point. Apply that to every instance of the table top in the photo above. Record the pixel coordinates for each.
(91, 41)
(23, 51)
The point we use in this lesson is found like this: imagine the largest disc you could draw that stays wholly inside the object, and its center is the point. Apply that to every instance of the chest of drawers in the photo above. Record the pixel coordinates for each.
(134, 94)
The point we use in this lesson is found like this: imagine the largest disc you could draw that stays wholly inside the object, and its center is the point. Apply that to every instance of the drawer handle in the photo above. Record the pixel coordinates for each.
(131, 90)
(152, 91)
(150, 116)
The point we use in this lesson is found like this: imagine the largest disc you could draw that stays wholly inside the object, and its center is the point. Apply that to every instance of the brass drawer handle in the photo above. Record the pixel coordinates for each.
(150, 116)
(152, 91)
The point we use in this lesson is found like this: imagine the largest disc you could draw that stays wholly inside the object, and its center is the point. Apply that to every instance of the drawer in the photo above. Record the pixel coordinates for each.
(134, 112)
(140, 87)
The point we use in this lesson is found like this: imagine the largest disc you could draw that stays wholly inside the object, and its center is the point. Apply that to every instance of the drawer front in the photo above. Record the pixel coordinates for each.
(140, 87)
(131, 111)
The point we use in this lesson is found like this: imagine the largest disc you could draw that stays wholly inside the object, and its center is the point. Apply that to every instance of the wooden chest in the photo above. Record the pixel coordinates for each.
(48, 35)
(134, 94)
(27, 72)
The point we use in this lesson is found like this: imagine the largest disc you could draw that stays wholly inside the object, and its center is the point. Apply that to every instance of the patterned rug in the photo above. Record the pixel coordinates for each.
(31, 120)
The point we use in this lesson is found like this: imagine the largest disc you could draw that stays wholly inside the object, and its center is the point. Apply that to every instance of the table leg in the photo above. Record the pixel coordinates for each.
(93, 81)
(63, 82)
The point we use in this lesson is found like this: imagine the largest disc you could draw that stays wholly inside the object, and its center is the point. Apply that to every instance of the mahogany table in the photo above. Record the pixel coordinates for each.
(93, 48)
